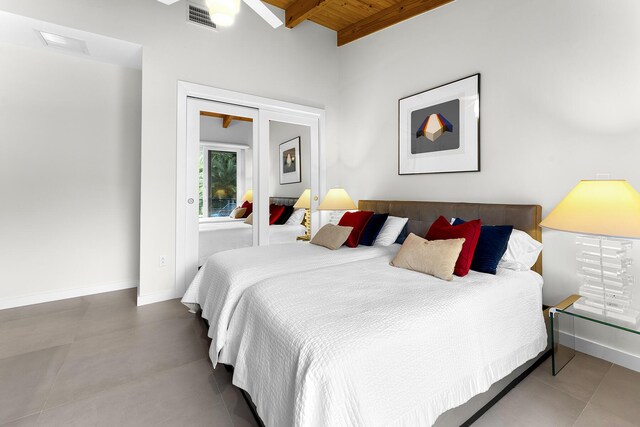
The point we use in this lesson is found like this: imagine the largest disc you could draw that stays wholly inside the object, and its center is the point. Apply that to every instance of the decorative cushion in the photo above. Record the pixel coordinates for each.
(372, 229)
(249, 219)
(237, 212)
(332, 236)
(249, 208)
(358, 220)
(296, 217)
(470, 231)
(522, 252)
(274, 213)
(492, 245)
(403, 234)
(288, 210)
(437, 257)
(390, 231)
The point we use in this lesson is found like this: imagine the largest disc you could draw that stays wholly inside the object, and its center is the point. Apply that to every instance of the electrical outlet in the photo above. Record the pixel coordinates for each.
(163, 261)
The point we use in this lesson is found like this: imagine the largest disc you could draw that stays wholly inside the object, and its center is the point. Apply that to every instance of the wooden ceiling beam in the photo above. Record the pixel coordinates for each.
(399, 12)
(300, 10)
(226, 119)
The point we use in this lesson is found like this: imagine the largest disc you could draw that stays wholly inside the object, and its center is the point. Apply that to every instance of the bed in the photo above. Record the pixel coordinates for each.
(219, 284)
(352, 344)
(218, 236)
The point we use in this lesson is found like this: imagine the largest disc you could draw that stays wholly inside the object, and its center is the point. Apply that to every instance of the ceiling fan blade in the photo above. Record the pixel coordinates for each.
(264, 12)
(168, 1)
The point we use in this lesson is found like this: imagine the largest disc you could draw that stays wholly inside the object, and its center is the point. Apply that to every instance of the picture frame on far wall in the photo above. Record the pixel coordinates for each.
(290, 161)
(439, 129)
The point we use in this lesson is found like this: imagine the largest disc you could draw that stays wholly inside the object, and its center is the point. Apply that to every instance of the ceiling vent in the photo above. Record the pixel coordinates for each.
(199, 15)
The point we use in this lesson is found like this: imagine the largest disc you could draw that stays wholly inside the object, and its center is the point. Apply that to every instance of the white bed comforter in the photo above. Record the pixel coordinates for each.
(216, 237)
(367, 344)
(219, 284)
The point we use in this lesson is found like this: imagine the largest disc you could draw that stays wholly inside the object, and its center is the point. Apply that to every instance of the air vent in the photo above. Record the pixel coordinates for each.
(199, 16)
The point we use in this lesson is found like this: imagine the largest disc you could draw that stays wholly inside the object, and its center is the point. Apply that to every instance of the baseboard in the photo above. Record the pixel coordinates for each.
(156, 297)
(602, 351)
(42, 297)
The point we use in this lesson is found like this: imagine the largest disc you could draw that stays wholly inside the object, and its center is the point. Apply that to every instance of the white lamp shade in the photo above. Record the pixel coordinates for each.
(248, 196)
(337, 199)
(304, 202)
(599, 207)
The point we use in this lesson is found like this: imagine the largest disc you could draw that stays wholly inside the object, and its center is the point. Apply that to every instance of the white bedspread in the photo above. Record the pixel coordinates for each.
(216, 237)
(219, 284)
(367, 344)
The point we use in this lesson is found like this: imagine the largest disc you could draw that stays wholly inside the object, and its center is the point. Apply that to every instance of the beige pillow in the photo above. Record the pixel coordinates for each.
(249, 219)
(238, 212)
(331, 236)
(436, 257)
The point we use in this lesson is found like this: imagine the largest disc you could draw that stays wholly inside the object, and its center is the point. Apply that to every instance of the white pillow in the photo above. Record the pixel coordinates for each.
(296, 217)
(390, 231)
(522, 252)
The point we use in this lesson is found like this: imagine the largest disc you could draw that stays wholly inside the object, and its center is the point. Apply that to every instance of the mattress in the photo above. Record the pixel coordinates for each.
(224, 277)
(216, 237)
(367, 344)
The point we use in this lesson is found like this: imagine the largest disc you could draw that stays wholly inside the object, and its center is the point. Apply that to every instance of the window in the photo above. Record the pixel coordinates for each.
(221, 182)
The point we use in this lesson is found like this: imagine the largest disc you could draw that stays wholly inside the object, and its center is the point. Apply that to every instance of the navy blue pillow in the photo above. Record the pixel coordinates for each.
(282, 219)
(372, 229)
(492, 244)
(403, 234)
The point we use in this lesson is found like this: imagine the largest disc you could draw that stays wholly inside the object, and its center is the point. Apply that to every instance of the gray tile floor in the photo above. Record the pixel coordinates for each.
(102, 361)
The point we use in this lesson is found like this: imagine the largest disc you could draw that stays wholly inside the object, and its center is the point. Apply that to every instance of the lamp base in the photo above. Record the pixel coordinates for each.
(628, 315)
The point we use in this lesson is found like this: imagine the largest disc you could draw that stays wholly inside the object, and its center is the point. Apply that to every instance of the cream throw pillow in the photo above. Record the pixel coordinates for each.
(237, 212)
(249, 219)
(331, 236)
(435, 257)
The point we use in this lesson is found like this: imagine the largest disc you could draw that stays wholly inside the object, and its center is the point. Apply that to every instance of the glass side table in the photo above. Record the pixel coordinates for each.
(566, 314)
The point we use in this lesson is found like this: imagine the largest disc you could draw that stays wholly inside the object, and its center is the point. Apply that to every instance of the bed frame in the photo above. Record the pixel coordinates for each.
(421, 215)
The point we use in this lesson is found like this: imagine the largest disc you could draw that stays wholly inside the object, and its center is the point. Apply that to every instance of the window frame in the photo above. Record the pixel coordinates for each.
(240, 151)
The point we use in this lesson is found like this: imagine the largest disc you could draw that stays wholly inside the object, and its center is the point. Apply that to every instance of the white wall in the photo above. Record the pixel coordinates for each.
(560, 101)
(297, 65)
(280, 132)
(70, 175)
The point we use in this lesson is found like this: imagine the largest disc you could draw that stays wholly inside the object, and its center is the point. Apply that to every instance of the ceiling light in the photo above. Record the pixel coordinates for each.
(62, 42)
(223, 12)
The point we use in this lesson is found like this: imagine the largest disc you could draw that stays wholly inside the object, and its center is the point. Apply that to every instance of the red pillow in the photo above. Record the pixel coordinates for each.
(275, 211)
(358, 220)
(249, 208)
(442, 230)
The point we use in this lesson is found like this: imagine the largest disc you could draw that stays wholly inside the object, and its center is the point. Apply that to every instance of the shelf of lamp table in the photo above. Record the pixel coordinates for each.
(598, 318)
(563, 353)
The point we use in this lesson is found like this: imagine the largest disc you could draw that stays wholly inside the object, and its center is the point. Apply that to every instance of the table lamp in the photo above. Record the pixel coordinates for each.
(606, 213)
(337, 200)
(248, 196)
(304, 202)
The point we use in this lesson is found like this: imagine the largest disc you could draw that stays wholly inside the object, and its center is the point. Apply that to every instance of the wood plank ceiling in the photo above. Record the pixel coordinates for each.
(353, 19)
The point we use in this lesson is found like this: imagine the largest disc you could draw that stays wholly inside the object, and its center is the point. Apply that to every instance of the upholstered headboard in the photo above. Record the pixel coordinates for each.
(422, 214)
(286, 201)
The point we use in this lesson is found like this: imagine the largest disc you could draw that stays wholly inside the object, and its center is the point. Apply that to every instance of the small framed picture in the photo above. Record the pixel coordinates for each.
(439, 129)
(290, 161)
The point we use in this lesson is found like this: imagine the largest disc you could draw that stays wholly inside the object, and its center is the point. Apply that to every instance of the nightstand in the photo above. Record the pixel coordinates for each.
(565, 314)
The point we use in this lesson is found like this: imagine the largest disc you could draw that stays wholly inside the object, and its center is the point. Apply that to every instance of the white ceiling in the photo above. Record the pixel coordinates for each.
(23, 31)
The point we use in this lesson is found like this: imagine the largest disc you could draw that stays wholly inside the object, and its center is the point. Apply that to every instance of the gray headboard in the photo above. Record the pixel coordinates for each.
(422, 214)
(286, 201)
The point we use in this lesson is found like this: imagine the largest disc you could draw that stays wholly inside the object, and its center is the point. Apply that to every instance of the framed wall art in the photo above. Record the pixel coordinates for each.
(439, 129)
(290, 161)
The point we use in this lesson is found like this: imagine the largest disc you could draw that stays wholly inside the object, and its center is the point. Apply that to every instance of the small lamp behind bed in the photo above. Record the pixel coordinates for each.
(337, 201)
(606, 214)
(304, 202)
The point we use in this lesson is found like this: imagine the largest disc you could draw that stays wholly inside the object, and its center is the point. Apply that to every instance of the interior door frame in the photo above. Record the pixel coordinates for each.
(268, 109)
